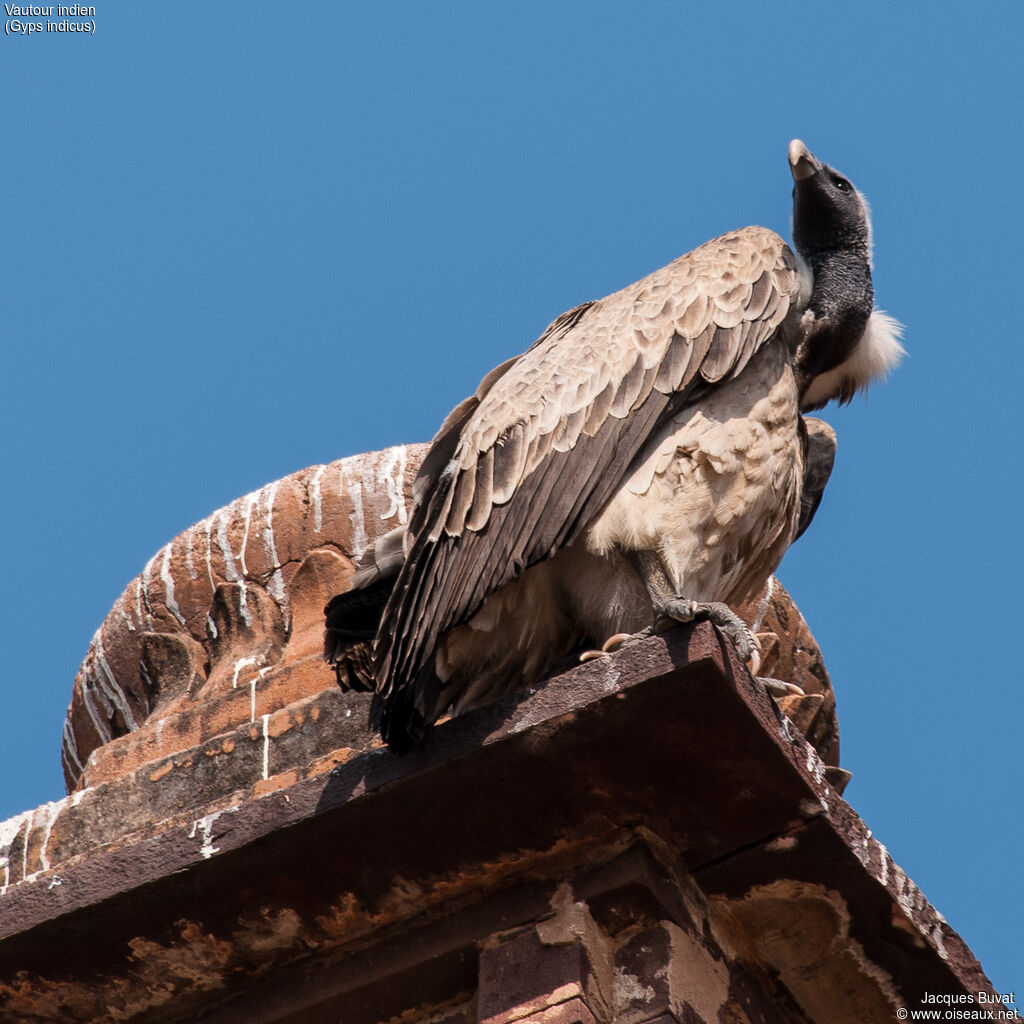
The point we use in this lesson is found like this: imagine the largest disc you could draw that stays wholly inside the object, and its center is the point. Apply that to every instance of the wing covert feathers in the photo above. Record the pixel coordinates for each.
(517, 471)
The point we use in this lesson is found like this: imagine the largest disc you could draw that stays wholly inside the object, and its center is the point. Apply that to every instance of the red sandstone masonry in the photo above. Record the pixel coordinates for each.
(232, 593)
(647, 884)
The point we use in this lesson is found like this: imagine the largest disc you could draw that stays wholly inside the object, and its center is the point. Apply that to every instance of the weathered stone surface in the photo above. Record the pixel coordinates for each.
(235, 595)
(642, 836)
(523, 976)
(794, 657)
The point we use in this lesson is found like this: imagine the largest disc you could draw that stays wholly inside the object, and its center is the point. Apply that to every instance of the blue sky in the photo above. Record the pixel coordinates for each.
(240, 239)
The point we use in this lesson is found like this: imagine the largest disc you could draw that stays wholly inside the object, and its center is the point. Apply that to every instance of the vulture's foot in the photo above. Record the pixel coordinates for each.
(670, 605)
(736, 630)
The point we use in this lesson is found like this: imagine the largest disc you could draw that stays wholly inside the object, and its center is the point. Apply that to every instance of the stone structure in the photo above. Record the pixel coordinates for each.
(645, 837)
(188, 648)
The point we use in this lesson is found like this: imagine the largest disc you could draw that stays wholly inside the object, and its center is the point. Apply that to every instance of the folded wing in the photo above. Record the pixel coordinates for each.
(520, 469)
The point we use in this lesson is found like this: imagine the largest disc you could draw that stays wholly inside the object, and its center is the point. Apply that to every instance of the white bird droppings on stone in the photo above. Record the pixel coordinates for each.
(353, 489)
(111, 689)
(230, 569)
(204, 826)
(43, 817)
(168, 580)
(243, 603)
(815, 765)
(275, 586)
(392, 476)
(9, 831)
(239, 665)
(316, 498)
(189, 559)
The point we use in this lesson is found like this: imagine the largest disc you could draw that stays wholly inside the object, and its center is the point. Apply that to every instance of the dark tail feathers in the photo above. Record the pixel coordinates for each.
(353, 618)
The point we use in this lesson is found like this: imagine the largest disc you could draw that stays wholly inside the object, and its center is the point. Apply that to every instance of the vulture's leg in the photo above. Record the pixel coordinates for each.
(669, 605)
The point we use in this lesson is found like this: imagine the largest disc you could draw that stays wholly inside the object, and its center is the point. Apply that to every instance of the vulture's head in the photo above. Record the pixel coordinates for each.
(848, 343)
(828, 212)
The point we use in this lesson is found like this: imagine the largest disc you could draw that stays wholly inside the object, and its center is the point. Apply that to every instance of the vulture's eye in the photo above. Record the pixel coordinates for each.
(842, 184)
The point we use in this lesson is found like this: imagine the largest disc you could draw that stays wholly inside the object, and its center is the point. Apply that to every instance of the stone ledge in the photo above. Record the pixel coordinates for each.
(670, 744)
(255, 695)
(275, 724)
(307, 737)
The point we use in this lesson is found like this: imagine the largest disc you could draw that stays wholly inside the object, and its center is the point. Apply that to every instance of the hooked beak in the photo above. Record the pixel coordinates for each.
(802, 163)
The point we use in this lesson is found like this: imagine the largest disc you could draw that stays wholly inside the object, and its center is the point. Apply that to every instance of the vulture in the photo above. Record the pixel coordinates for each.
(645, 459)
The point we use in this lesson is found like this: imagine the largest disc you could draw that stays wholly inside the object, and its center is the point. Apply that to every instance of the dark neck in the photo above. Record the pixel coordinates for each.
(841, 303)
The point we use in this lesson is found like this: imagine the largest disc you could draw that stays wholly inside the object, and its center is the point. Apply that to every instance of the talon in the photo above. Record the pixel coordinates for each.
(614, 643)
(618, 642)
(668, 604)
(593, 655)
(754, 662)
(778, 688)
